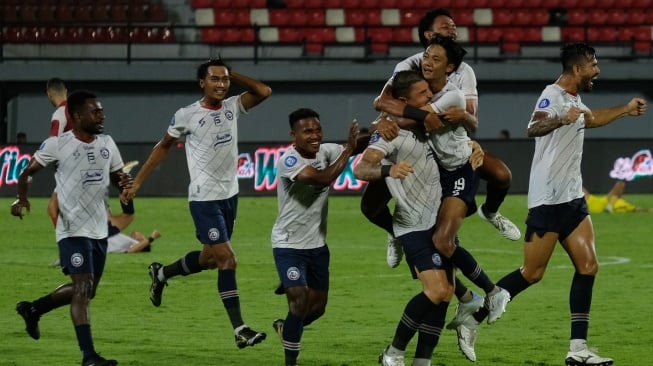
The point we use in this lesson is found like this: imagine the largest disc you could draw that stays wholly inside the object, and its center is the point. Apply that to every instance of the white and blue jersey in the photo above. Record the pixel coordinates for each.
(211, 148)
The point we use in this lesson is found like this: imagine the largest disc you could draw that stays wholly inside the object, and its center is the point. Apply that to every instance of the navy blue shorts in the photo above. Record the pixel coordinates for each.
(461, 183)
(303, 267)
(214, 220)
(421, 253)
(82, 255)
(562, 218)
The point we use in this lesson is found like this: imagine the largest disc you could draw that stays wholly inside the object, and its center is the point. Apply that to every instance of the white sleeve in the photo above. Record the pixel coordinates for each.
(178, 124)
(468, 83)
(333, 151)
(553, 104)
(413, 62)
(116, 158)
(290, 165)
(47, 152)
(452, 98)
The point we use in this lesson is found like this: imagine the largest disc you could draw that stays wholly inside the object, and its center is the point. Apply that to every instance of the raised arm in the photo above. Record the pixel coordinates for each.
(325, 177)
(256, 90)
(159, 152)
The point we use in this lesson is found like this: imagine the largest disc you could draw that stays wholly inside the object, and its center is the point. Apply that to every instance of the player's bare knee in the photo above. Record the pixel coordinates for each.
(590, 268)
(533, 275)
(84, 288)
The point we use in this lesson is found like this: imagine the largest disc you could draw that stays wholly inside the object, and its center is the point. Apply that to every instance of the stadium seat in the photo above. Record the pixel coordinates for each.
(314, 48)
(513, 4)
(642, 48)
(476, 4)
(410, 17)
(601, 34)
(298, 17)
(45, 14)
(572, 34)
(488, 34)
(290, 35)
(535, 4)
(389, 4)
(402, 35)
(616, 16)
(222, 4)
(333, 4)
(501, 16)
(356, 17)
(522, 17)
(279, 17)
(635, 17)
(315, 17)
(101, 13)
(320, 35)
(13, 35)
(605, 4)
(576, 16)
(407, 4)
(349, 34)
(390, 17)
(463, 17)
(596, 17)
(199, 4)
(117, 34)
(28, 13)
(540, 16)
(510, 48)
(374, 17)
(380, 35)
(369, 4)
(119, 13)
(156, 12)
(83, 13)
(463, 4)
(532, 34)
(350, 4)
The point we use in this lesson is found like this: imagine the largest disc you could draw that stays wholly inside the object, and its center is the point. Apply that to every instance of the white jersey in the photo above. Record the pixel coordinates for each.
(60, 122)
(211, 148)
(82, 179)
(464, 78)
(120, 243)
(451, 142)
(555, 170)
(418, 195)
(302, 208)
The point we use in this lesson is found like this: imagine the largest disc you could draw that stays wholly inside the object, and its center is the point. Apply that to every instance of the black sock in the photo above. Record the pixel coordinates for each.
(228, 291)
(461, 289)
(580, 301)
(494, 198)
(186, 265)
(292, 334)
(412, 317)
(383, 220)
(462, 259)
(85, 340)
(430, 329)
(44, 304)
(514, 283)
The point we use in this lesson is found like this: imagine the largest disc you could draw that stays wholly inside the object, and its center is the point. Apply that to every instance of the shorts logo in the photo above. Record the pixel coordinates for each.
(543, 103)
(293, 273)
(77, 260)
(436, 259)
(214, 234)
(290, 161)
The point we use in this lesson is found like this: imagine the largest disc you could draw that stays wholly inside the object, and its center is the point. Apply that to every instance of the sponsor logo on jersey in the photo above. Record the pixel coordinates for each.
(376, 136)
(290, 161)
(221, 139)
(543, 103)
(76, 260)
(293, 273)
(92, 176)
(214, 234)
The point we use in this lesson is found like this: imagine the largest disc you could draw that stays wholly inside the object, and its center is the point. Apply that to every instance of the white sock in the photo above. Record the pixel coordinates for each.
(577, 345)
(159, 275)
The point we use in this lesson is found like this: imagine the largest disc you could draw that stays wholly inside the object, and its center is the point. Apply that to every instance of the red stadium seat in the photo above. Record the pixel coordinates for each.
(333, 4)
(279, 17)
(117, 35)
(532, 34)
(510, 48)
(597, 17)
(101, 13)
(511, 35)
(605, 4)
(513, 4)
(454, 4)
(355, 17)
(535, 4)
(501, 16)
(463, 17)
(290, 35)
(320, 35)
(407, 4)
(314, 48)
(488, 34)
(84, 13)
(351, 4)
(643, 48)
(410, 17)
(315, 17)
(28, 13)
(236, 17)
(199, 4)
(119, 13)
(601, 34)
(13, 35)
(402, 35)
(221, 4)
(572, 34)
(374, 17)
(298, 17)
(46, 14)
(576, 16)
(369, 4)
(389, 4)
(522, 17)
(380, 35)
(156, 12)
(635, 17)
(540, 16)
(616, 16)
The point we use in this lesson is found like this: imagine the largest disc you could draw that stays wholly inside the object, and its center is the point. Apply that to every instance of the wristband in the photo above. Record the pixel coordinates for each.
(128, 208)
(415, 113)
(385, 170)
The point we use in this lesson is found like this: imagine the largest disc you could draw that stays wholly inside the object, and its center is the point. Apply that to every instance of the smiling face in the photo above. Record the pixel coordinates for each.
(90, 117)
(435, 65)
(444, 26)
(419, 94)
(215, 84)
(307, 136)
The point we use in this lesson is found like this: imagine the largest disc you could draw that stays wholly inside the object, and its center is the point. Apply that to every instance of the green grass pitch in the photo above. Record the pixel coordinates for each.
(366, 297)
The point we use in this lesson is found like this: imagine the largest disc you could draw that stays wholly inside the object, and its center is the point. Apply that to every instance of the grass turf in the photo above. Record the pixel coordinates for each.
(365, 302)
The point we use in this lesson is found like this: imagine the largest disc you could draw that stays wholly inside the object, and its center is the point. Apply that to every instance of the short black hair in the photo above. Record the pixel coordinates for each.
(575, 54)
(455, 52)
(203, 69)
(56, 84)
(426, 23)
(403, 81)
(77, 99)
(301, 113)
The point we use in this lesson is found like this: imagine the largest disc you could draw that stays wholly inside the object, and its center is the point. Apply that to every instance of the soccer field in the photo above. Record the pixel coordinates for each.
(366, 296)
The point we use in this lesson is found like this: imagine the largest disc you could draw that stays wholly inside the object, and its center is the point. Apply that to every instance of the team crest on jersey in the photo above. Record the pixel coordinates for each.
(104, 152)
(437, 260)
(543, 103)
(229, 115)
(76, 260)
(214, 234)
(293, 273)
(290, 161)
(376, 136)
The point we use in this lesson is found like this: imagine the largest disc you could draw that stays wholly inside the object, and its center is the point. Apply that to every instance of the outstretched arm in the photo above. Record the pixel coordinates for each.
(159, 152)
(601, 117)
(256, 90)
